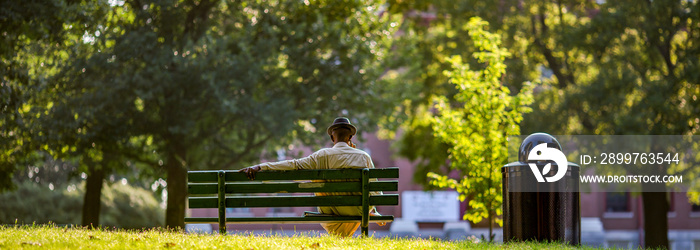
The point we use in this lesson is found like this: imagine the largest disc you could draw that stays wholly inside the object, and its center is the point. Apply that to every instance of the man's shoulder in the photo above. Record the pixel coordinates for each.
(344, 150)
(357, 151)
(323, 151)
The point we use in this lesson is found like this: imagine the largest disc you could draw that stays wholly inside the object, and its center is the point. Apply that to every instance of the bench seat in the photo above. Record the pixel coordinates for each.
(288, 220)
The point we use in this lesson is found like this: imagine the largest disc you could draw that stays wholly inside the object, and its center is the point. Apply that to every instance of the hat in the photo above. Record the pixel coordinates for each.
(342, 122)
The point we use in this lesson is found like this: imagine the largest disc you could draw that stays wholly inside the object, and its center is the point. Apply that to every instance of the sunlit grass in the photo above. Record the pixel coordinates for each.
(50, 237)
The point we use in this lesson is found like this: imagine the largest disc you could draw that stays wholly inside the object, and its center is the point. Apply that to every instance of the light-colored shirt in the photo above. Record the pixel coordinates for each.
(341, 155)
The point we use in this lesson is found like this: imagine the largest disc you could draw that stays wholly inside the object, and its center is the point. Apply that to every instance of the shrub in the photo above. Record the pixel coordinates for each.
(123, 206)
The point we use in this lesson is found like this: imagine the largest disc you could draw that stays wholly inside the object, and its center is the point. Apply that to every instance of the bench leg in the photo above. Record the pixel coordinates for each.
(222, 202)
(365, 202)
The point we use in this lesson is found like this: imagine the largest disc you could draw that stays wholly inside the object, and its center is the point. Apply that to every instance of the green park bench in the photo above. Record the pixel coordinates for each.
(231, 189)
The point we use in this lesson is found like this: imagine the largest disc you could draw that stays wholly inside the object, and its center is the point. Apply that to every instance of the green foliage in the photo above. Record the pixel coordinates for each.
(636, 74)
(211, 84)
(478, 128)
(124, 206)
(146, 85)
(32, 42)
(432, 32)
(34, 203)
(420, 146)
(619, 67)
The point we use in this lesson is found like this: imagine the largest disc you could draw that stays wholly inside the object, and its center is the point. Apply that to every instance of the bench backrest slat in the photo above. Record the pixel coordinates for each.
(290, 187)
(328, 174)
(295, 201)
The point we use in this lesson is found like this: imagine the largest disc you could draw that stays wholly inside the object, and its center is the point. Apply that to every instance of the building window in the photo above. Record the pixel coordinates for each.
(695, 208)
(617, 202)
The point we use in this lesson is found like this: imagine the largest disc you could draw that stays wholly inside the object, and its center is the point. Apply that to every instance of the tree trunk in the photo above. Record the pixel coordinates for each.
(93, 192)
(655, 204)
(655, 215)
(177, 192)
(491, 219)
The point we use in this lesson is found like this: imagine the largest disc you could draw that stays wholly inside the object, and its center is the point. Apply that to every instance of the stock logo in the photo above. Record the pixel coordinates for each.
(543, 153)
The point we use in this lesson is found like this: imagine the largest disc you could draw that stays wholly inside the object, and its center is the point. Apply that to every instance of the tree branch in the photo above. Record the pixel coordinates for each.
(562, 78)
(197, 18)
(250, 145)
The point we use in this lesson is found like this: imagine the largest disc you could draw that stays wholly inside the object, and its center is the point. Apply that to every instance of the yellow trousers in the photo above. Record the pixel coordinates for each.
(344, 229)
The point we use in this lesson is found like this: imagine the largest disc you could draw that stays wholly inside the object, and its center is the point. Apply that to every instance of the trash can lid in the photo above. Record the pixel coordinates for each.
(533, 140)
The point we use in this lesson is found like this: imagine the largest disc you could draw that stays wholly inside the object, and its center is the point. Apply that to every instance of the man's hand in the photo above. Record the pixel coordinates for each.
(250, 171)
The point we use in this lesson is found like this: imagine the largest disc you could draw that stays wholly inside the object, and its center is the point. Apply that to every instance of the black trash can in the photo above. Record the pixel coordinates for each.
(543, 207)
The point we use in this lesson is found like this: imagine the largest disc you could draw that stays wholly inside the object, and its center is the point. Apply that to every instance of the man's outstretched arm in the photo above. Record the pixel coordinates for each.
(308, 162)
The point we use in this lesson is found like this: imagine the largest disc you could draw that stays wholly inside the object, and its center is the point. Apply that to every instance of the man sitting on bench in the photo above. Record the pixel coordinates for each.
(342, 155)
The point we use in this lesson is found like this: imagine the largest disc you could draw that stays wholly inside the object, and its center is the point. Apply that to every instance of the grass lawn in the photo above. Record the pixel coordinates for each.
(50, 237)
